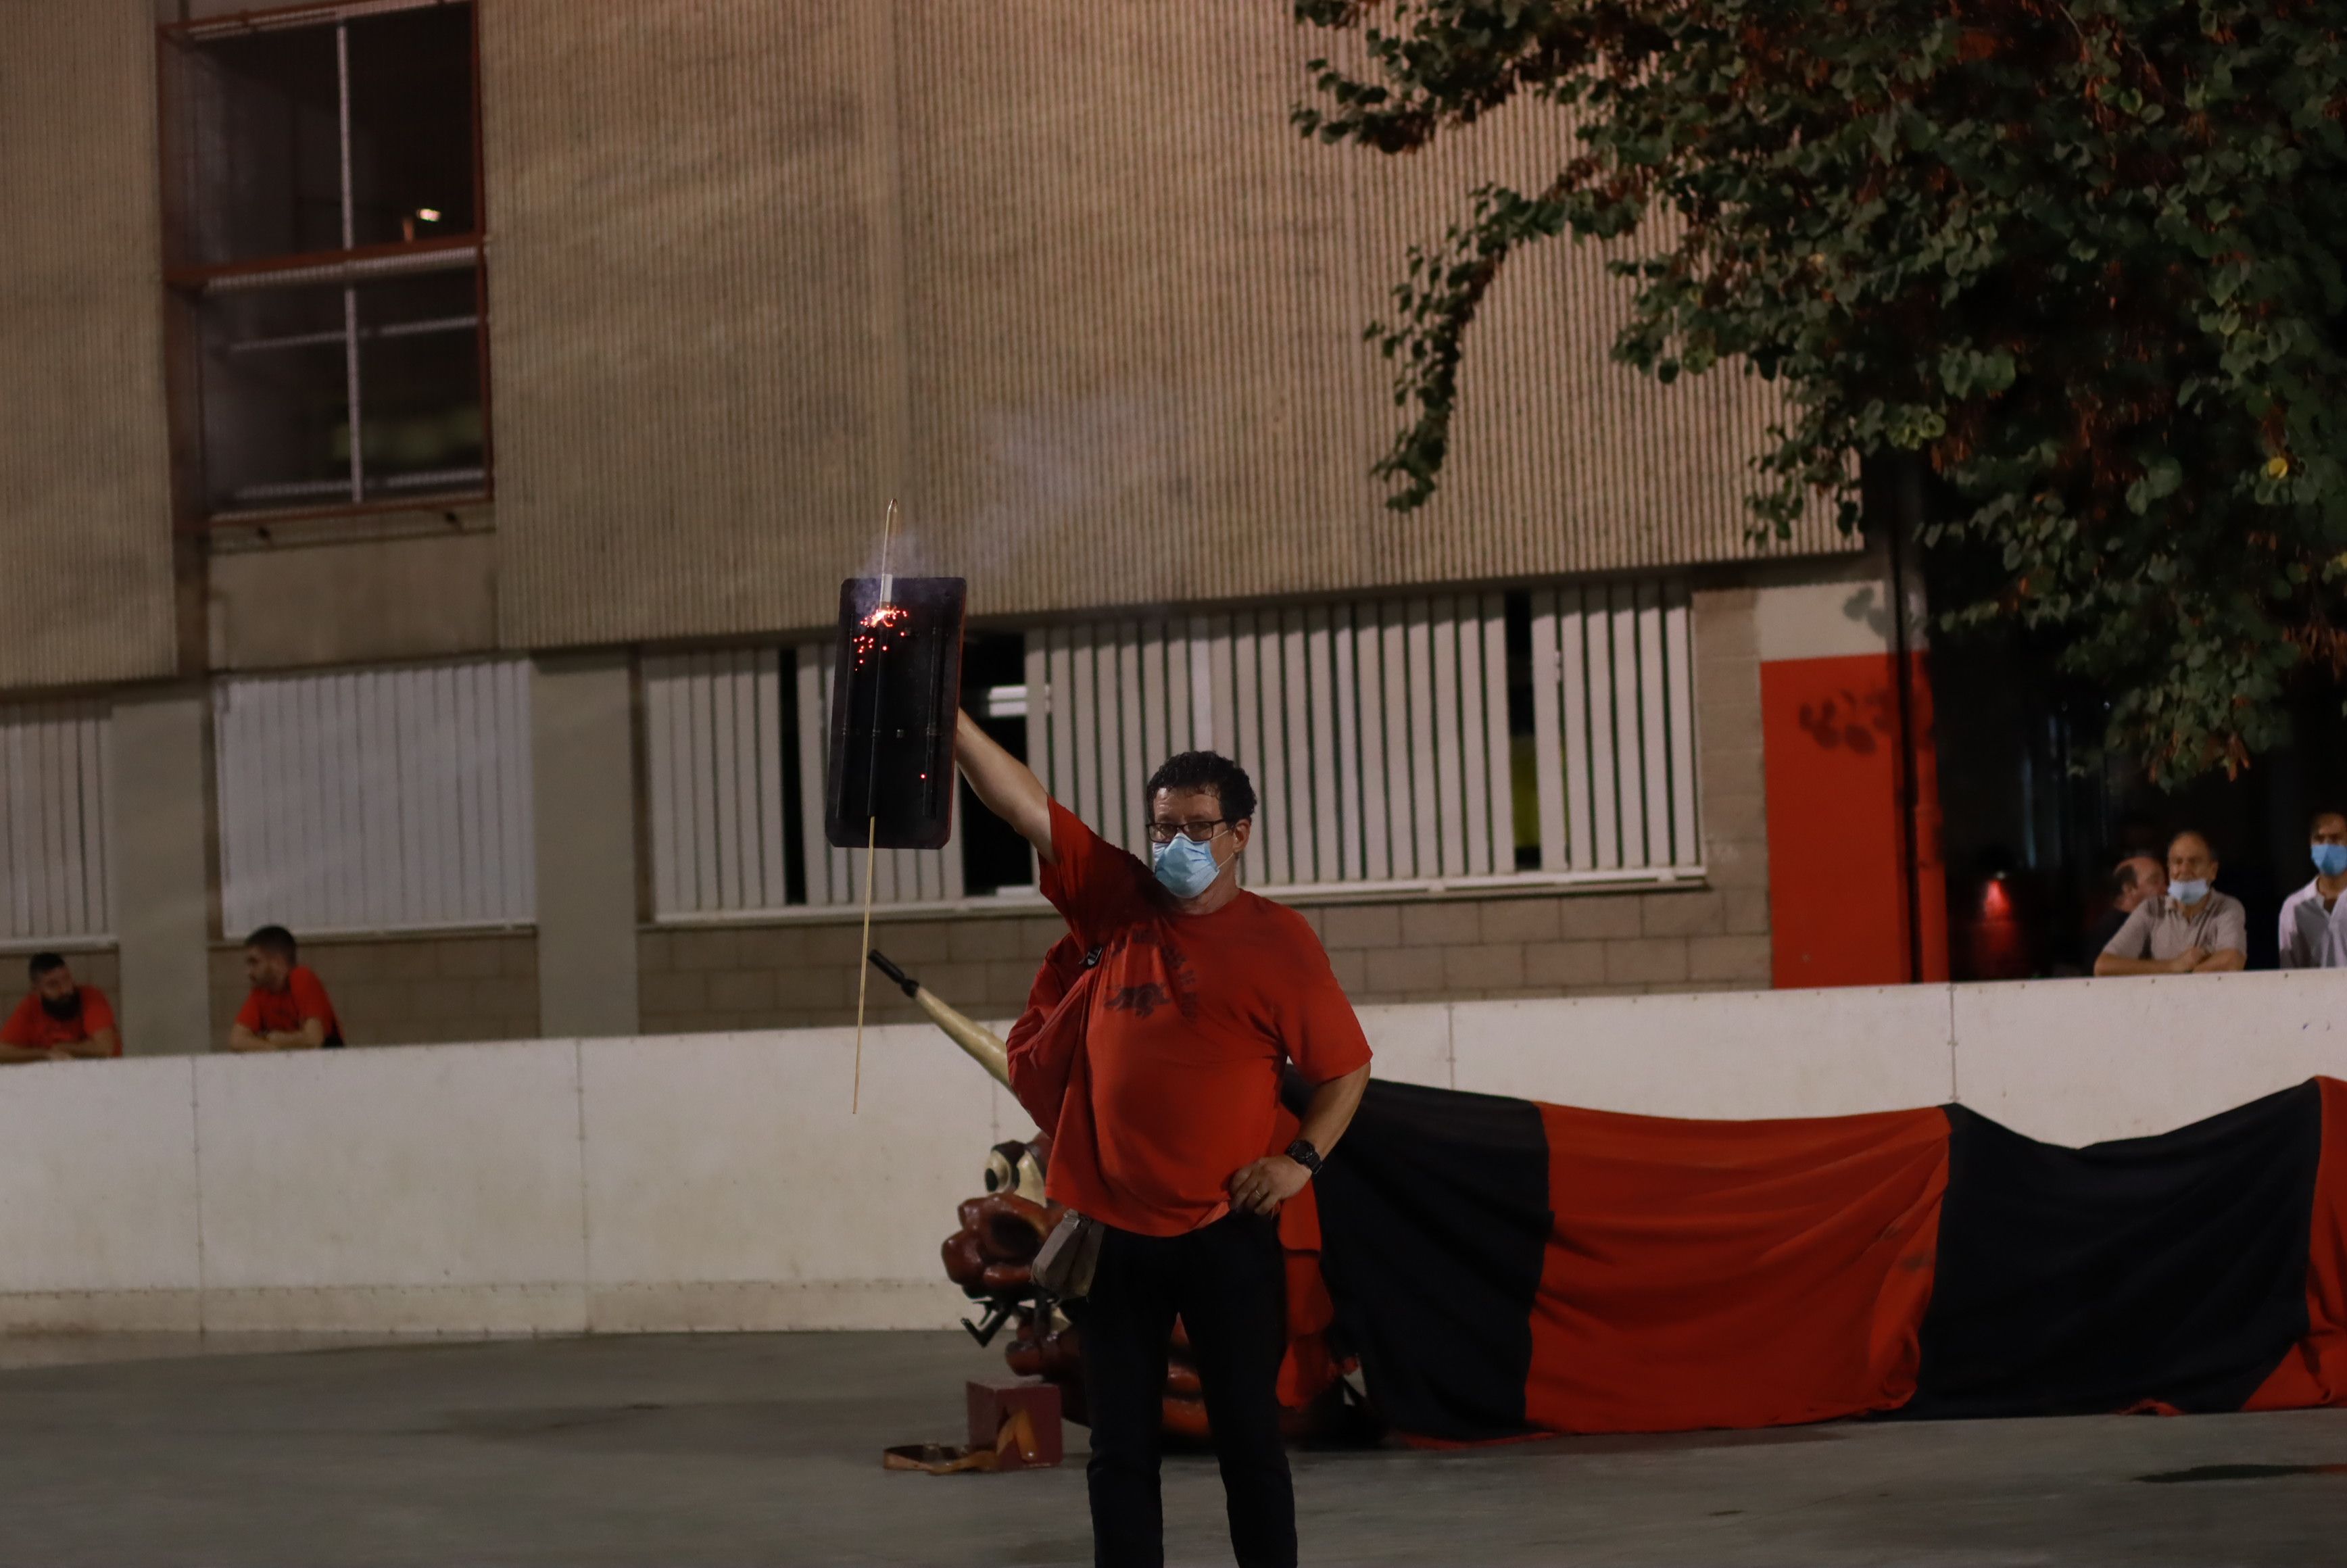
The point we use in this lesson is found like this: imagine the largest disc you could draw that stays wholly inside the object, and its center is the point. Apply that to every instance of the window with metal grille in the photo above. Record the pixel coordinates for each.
(1440, 742)
(54, 790)
(376, 800)
(722, 798)
(1613, 715)
(734, 755)
(1415, 743)
(323, 235)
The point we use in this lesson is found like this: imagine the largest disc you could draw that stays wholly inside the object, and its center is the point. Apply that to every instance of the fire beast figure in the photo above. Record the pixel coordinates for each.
(991, 1256)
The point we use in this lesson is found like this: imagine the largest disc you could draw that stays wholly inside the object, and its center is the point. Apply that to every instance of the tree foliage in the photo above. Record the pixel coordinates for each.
(2085, 259)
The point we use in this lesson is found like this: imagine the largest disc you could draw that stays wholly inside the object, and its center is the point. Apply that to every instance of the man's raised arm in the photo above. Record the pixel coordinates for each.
(1008, 787)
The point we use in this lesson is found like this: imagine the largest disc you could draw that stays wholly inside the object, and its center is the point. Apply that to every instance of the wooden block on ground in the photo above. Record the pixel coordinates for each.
(1020, 1421)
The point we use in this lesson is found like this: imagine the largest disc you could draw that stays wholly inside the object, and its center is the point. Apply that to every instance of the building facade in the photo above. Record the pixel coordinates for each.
(435, 432)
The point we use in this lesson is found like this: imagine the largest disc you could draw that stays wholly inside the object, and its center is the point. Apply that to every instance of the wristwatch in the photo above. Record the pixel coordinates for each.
(1305, 1155)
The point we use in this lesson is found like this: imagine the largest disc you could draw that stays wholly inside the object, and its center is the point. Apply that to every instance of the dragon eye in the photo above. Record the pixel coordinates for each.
(1030, 1178)
(1001, 1176)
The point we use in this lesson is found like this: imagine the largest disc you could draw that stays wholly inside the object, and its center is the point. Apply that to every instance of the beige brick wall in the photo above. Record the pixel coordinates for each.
(1708, 936)
(1451, 949)
(801, 976)
(1734, 798)
(408, 991)
(995, 280)
(1571, 944)
(91, 967)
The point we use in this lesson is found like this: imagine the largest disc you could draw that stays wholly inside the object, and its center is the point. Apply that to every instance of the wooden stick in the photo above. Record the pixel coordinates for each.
(863, 970)
(871, 837)
(977, 1041)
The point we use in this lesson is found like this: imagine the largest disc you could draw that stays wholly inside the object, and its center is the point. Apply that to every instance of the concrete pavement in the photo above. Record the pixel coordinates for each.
(765, 1449)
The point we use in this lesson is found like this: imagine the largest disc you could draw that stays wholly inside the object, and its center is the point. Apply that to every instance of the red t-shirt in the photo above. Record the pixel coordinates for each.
(1192, 1015)
(1059, 970)
(31, 1027)
(285, 1011)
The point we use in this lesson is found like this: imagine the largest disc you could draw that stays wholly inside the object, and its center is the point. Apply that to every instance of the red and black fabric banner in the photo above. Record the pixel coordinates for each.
(1504, 1269)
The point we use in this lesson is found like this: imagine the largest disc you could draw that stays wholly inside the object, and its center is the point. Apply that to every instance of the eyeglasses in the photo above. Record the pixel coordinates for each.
(1195, 832)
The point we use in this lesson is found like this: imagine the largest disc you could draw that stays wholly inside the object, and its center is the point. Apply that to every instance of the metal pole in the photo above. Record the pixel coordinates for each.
(1907, 519)
(350, 239)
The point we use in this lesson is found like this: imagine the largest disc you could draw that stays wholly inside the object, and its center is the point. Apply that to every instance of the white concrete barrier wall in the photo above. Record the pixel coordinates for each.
(2076, 1061)
(99, 1219)
(389, 1189)
(1733, 1054)
(728, 1185)
(720, 1182)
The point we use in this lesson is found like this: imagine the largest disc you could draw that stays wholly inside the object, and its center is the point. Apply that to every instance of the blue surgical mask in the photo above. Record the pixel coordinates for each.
(1186, 867)
(2330, 859)
(2189, 891)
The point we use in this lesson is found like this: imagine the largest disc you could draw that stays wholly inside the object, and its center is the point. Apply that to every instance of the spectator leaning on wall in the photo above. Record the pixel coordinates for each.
(2310, 936)
(288, 1008)
(58, 1020)
(2137, 876)
(2191, 928)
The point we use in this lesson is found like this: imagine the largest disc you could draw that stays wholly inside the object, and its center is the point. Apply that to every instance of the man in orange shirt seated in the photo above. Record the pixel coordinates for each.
(58, 1020)
(287, 1008)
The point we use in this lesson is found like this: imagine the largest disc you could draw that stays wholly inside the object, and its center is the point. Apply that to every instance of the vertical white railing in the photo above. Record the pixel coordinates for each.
(714, 763)
(54, 792)
(718, 745)
(1614, 711)
(1106, 702)
(1377, 735)
(376, 800)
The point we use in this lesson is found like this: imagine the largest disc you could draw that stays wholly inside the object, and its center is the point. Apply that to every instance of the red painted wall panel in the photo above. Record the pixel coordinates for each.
(1837, 871)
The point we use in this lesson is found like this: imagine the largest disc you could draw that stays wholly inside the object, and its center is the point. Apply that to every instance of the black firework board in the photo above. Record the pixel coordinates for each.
(895, 693)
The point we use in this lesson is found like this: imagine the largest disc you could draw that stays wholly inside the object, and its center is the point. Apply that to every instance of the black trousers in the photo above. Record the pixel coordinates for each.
(1229, 1283)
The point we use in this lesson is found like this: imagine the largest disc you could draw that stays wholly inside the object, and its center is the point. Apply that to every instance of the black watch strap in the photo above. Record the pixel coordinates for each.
(1305, 1155)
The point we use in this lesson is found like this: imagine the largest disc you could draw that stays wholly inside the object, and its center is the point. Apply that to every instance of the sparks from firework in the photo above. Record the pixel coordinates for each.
(886, 627)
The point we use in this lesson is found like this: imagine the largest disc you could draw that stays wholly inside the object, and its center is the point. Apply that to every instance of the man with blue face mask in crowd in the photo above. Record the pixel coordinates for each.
(2310, 939)
(1169, 1133)
(2189, 929)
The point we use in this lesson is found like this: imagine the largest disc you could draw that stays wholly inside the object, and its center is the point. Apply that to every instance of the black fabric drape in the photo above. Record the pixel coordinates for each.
(1434, 1221)
(2170, 1269)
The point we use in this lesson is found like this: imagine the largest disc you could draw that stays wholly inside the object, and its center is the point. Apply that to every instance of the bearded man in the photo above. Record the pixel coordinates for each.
(58, 1020)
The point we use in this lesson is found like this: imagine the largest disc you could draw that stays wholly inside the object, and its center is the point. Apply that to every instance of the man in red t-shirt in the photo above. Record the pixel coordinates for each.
(58, 1020)
(1167, 1133)
(287, 1008)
